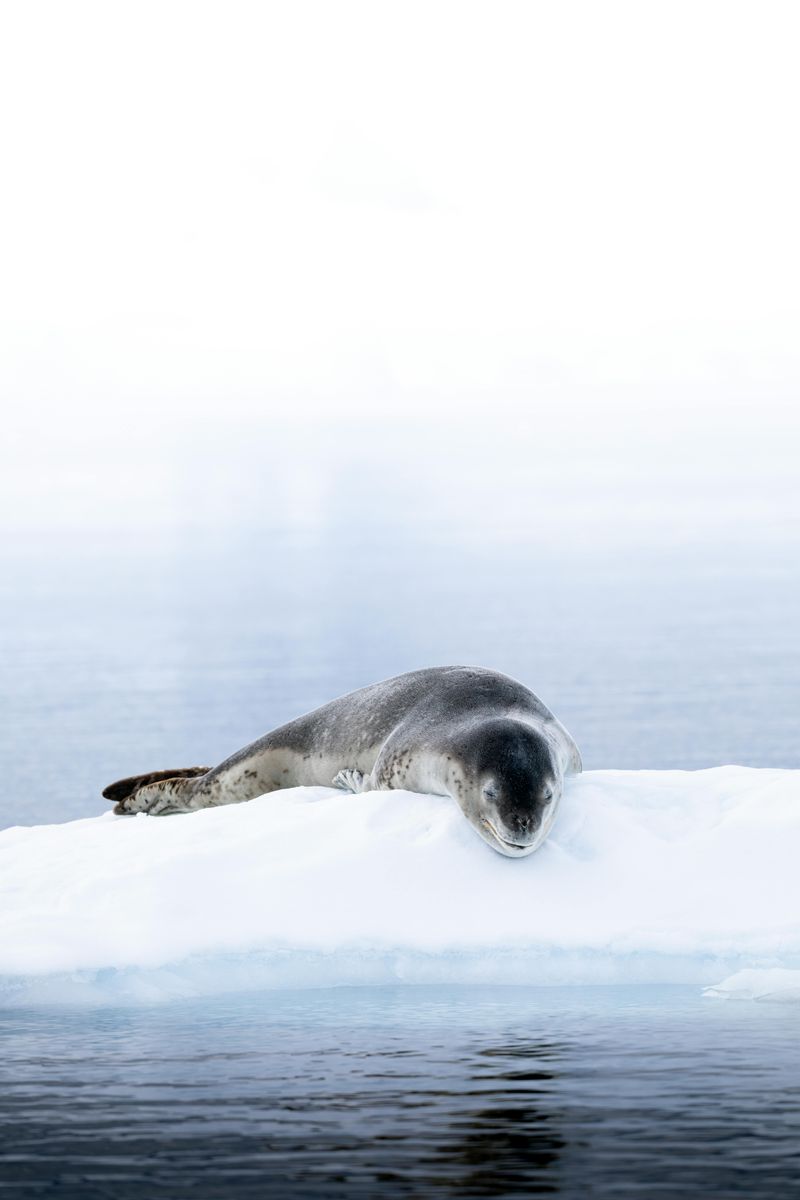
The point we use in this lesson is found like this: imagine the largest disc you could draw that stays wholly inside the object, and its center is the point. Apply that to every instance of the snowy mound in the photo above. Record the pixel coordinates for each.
(663, 876)
(767, 983)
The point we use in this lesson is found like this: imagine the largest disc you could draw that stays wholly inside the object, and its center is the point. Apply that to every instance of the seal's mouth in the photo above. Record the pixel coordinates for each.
(514, 847)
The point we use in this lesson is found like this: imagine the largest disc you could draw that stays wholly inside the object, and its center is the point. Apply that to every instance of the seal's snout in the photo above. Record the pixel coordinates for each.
(521, 822)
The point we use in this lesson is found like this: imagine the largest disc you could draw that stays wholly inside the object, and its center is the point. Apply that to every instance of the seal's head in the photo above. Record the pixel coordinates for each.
(516, 783)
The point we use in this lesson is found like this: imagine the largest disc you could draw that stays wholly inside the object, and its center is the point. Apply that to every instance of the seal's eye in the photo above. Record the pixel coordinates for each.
(490, 791)
(547, 796)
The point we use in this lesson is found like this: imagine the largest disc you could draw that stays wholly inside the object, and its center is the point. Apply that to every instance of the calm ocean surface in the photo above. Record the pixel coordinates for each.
(660, 624)
(169, 620)
(409, 1092)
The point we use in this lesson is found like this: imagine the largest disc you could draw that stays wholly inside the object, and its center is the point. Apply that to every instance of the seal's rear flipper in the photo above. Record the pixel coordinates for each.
(125, 787)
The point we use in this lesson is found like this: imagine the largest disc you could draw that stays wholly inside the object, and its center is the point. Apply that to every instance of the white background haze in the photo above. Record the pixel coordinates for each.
(338, 340)
(570, 226)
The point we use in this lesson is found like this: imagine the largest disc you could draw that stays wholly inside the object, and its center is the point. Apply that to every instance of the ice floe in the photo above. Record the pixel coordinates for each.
(648, 876)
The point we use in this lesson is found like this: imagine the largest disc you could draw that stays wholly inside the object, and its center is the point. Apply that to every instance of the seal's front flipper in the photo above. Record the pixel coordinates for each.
(126, 787)
(351, 780)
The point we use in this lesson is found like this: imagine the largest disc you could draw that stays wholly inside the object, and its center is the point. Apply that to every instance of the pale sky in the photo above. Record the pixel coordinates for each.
(583, 213)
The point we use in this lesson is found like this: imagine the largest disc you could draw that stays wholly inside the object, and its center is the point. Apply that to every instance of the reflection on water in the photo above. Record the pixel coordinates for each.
(508, 1137)
(462, 1092)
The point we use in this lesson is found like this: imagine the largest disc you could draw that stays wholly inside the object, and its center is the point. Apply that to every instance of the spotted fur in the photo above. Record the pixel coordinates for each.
(466, 732)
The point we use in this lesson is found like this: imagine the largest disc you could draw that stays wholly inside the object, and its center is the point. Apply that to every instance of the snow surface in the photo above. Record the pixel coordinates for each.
(648, 876)
(766, 983)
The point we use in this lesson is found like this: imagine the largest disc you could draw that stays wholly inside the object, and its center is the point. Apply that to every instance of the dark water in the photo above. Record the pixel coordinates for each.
(410, 1092)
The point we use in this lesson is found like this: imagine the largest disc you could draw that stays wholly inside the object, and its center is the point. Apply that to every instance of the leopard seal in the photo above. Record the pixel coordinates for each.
(466, 732)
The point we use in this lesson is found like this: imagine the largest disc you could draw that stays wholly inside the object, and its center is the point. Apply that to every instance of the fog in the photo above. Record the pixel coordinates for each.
(338, 340)
(565, 232)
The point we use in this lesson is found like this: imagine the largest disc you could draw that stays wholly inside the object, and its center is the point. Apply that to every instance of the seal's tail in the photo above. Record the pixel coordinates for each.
(125, 787)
